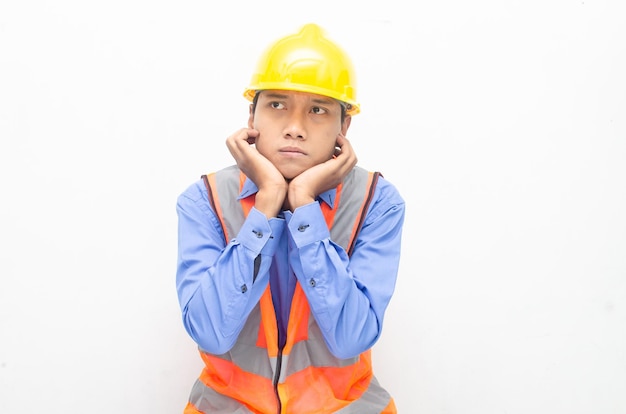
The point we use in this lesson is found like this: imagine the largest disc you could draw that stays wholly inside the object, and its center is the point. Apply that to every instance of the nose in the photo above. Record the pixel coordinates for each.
(295, 127)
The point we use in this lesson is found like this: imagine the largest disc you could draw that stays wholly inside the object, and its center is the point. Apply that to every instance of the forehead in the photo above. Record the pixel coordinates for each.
(277, 94)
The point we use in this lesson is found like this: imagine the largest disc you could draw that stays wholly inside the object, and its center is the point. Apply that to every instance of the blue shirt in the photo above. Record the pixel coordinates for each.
(218, 287)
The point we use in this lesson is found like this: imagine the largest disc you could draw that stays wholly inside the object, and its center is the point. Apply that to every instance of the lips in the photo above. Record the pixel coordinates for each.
(291, 150)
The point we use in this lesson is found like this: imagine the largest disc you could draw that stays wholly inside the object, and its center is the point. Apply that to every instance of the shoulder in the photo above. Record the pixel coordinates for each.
(386, 198)
(387, 193)
(194, 198)
(196, 192)
(385, 189)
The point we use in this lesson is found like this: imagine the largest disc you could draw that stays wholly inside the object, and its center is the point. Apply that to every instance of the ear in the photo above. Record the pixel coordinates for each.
(346, 124)
(251, 118)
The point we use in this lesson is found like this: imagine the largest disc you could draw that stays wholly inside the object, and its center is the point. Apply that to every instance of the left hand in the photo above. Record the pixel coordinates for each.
(309, 184)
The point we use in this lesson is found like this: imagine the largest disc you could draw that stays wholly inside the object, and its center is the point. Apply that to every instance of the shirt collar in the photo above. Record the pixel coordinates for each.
(250, 188)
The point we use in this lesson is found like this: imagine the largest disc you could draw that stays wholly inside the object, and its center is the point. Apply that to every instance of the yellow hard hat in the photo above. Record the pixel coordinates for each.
(307, 62)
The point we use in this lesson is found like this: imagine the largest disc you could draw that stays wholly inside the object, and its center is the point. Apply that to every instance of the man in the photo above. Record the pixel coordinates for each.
(288, 259)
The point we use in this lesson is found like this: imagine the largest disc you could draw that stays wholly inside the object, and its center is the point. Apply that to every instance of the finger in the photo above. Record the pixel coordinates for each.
(251, 136)
(341, 140)
(241, 139)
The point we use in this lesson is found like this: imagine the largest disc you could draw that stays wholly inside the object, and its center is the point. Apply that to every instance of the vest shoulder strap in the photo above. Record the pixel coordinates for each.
(353, 199)
(223, 188)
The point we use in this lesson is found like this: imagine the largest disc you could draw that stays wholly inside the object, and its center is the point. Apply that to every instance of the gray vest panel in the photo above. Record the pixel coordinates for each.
(354, 191)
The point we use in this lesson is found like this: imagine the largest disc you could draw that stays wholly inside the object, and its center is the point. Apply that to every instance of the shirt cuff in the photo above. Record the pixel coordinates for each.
(307, 225)
(258, 233)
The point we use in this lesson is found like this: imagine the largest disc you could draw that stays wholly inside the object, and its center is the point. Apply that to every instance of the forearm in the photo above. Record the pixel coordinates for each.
(220, 298)
(344, 312)
(218, 284)
(348, 296)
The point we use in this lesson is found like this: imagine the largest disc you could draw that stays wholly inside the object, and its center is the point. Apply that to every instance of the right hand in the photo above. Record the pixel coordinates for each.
(271, 183)
(304, 188)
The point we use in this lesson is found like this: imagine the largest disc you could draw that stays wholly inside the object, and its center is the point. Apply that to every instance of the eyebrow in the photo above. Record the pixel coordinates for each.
(276, 95)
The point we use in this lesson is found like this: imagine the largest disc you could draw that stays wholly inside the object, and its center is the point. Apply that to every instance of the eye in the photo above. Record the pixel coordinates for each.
(277, 105)
(318, 110)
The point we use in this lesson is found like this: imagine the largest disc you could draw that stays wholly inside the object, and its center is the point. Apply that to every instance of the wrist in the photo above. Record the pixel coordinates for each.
(270, 201)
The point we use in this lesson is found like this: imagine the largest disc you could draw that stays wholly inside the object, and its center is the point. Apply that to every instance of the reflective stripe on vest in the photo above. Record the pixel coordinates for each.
(304, 373)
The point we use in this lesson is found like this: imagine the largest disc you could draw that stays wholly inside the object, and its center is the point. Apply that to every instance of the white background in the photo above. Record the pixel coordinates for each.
(501, 122)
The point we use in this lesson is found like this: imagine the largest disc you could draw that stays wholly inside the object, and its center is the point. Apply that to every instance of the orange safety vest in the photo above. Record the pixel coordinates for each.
(255, 376)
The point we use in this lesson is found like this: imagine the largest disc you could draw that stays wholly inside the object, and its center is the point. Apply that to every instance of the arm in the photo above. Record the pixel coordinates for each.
(214, 280)
(348, 296)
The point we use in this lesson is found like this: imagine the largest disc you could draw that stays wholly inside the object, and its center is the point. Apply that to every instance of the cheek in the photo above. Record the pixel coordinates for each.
(260, 145)
(265, 145)
(327, 151)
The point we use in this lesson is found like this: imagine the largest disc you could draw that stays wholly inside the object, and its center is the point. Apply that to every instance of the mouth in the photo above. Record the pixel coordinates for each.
(291, 151)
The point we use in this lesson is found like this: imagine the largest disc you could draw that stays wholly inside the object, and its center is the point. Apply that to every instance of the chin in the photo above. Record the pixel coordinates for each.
(290, 173)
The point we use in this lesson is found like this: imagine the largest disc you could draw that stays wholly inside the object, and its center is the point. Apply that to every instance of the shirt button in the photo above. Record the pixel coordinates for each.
(303, 227)
(259, 234)
(312, 282)
(244, 288)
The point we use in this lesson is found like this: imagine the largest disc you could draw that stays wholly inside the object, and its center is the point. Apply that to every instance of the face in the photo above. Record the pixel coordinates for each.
(297, 130)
